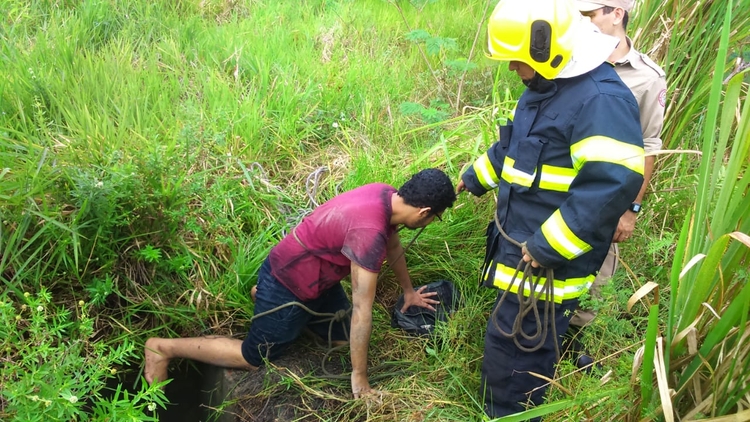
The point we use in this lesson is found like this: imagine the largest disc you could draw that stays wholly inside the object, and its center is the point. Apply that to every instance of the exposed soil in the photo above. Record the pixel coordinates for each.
(274, 393)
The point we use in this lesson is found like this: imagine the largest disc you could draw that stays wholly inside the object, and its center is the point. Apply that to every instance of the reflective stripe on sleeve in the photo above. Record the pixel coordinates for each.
(562, 239)
(609, 150)
(571, 288)
(485, 172)
(557, 178)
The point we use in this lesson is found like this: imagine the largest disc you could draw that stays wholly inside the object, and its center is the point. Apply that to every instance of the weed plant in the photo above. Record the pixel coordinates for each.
(52, 370)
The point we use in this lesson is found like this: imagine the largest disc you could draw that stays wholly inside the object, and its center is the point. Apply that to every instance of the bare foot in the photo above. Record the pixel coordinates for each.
(156, 362)
(253, 292)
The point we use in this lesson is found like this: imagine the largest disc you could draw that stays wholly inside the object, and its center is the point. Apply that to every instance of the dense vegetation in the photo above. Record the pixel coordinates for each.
(151, 153)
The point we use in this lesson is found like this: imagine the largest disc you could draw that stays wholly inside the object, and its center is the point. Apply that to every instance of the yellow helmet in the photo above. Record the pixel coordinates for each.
(539, 33)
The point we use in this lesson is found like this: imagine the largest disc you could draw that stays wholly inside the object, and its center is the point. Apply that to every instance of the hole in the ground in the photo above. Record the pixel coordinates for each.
(193, 394)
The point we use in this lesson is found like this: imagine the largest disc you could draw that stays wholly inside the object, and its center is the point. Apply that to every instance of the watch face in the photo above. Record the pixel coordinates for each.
(635, 207)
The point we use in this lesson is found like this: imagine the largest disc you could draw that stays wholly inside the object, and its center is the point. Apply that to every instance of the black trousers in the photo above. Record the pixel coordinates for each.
(506, 385)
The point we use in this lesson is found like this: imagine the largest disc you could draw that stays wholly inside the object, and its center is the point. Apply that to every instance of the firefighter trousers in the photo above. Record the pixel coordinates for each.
(507, 386)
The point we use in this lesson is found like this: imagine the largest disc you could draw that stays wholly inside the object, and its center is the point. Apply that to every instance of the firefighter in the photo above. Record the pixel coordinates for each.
(566, 167)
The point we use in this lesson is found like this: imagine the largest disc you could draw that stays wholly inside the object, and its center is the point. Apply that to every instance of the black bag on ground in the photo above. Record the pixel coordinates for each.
(421, 321)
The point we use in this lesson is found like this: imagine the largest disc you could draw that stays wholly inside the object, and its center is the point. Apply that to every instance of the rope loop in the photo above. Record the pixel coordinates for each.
(340, 315)
(528, 304)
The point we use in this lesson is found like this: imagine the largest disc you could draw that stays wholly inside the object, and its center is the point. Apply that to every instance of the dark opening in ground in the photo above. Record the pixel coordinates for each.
(189, 397)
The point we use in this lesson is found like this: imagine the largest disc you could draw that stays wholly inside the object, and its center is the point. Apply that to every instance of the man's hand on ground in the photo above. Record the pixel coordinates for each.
(419, 298)
(625, 227)
(361, 385)
(372, 397)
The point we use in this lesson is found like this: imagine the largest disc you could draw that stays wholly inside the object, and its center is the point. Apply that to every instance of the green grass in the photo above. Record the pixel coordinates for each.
(151, 153)
(670, 34)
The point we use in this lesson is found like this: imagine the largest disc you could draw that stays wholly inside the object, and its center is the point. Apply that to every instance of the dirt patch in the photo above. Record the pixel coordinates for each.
(295, 387)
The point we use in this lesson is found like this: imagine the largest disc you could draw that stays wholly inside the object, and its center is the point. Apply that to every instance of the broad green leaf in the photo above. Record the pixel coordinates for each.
(701, 283)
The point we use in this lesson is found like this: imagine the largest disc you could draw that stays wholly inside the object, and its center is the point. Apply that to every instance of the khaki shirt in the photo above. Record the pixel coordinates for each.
(648, 83)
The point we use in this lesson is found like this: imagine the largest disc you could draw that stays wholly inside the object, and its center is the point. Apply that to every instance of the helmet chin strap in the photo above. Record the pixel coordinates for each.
(537, 83)
(530, 82)
(534, 82)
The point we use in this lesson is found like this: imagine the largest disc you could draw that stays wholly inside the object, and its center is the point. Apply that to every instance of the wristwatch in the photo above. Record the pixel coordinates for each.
(635, 207)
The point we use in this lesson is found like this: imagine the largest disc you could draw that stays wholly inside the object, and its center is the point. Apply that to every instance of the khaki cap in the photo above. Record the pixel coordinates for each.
(587, 6)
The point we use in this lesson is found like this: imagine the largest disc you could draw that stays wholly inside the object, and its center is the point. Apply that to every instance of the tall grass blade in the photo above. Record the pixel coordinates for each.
(649, 349)
(730, 318)
(708, 293)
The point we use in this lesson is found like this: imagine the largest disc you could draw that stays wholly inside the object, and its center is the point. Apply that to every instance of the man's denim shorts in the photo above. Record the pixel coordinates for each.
(271, 334)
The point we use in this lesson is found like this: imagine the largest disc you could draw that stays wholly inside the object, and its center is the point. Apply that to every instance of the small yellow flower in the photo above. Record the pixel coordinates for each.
(81, 303)
(113, 371)
(151, 407)
(18, 317)
(40, 308)
(73, 399)
(26, 294)
(23, 307)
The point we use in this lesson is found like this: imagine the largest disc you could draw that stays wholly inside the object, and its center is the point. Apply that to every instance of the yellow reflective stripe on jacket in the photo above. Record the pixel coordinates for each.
(609, 150)
(552, 178)
(557, 178)
(562, 239)
(513, 175)
(485, 172)
(564, 289)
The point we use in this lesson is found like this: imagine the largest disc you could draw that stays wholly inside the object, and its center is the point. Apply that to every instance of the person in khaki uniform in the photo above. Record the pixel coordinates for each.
(649, 86)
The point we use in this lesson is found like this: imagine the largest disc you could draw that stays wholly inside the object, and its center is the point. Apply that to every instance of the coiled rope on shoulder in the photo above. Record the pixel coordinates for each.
(529, 304)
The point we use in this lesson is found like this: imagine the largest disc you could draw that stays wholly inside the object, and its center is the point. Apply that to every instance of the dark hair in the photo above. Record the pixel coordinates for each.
(609, 9)
(429, 188)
